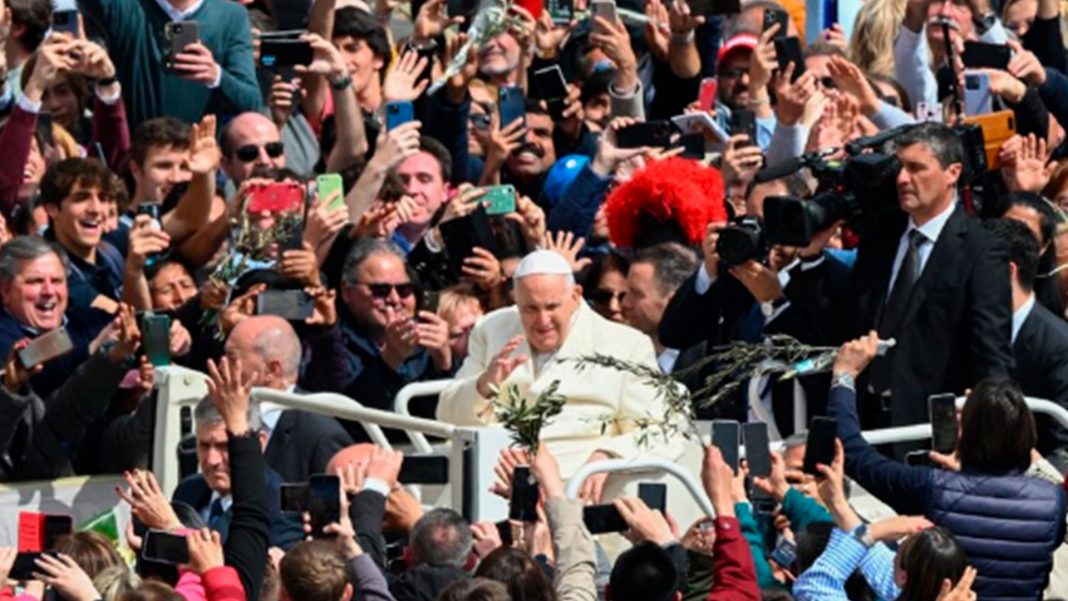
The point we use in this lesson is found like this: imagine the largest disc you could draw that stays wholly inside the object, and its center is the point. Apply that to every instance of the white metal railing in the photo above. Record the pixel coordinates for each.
(404, 397)
(642, 464)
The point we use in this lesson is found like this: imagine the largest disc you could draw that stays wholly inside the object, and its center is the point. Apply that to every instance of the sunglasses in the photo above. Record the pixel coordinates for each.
(250, 152)
(733, 73)
(600, 296)
(381, 290)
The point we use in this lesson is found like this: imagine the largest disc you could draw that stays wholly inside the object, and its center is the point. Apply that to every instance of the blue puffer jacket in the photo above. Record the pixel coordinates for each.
(1008, 525)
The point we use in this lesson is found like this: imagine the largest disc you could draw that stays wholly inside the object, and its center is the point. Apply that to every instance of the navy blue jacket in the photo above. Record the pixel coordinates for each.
(82, 324)
(575, 211)
(1008, 525)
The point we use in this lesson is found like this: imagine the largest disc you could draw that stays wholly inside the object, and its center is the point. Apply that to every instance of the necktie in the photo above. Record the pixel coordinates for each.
(215, 514)
(880, 371)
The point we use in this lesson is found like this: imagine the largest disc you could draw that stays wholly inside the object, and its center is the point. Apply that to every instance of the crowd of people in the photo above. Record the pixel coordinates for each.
(352, 196)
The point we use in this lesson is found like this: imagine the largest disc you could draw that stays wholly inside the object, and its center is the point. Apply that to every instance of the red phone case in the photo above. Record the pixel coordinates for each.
(276, 197)
(534, 7)
(707, 97)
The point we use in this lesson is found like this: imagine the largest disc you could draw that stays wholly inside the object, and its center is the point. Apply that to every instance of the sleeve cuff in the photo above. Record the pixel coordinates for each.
(704, 281)
(112, 99)
(218, 78)
(28, 105)
(377, 485)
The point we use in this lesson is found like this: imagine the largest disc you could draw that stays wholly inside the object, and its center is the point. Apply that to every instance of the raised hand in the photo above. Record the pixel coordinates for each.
(402, 82)
(742, 158)
(230, 393)
(509, 459)
(567, 245)
(487, 539)
(763, 62)
(147, 502)
(323, 222)
(396, 145)
(657, 30)
(205, 550)
(609, 156)
(64, 575)
(775, 484)
(546, 471)
(700, 537)
(93, 60)
(851, 79)
(324, 314)
(385, 465)
(432, 333)
(717, 478)
(129, 335)
(1025, 65)
(204, 154)
(326, 59)
(283, 99)
(855, 355)
(400, 340)
(963, 589)
(645, 524)
(462, 203)
(501, 367)
(530, 218)
(548, 37)
(483, 269)
(499, 143)
(146, 239)
(573, 117)
(792, 97)
(681, 20)
(895, 528)
(1023, 164)
(301, 265)
(831, 487)
(432, 21)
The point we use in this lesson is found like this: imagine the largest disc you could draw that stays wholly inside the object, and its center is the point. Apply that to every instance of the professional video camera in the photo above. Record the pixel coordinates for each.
(741, 241)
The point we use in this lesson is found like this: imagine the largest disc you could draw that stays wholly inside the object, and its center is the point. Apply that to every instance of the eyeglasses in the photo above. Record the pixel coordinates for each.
(734, 73)
(382, 290)
(601, 296)
(250, 152)
(479, 121)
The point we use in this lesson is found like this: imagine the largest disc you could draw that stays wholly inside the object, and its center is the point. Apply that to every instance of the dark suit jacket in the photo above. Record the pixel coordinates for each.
(302, 443)
(1040, 350)
(285, 531)
(957, 324)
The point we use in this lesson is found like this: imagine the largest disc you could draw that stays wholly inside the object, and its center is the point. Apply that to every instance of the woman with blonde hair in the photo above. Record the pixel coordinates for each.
(872, 45)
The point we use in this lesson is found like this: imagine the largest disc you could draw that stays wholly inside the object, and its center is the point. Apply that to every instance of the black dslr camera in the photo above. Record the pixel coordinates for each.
(741, 241)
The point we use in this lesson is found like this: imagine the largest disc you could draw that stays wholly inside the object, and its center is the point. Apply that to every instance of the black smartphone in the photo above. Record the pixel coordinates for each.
(65, 21)
(293, 497)
(552, 87)
(726, 435)
(693, 146)
(775, 16)
(743, 121)
(942, 409)
(46, 347)
(504, 530)
(715, 7)
(523, 506)
(294, 305)
(291, 239)
(600, 519)
(757, 449)
(156, 337)
(788, 50)
(165, 547)
(561, 11)
(25, 565)
(655, 134)
(284, 52)
(429, 54)
(323, 502)
(511, 105)
(153, 209)
(653, 494)
(980, 55)
(462, 234)
(424, 469)
(920, 458)
(822, 433)
(55, 527)
(178, 34)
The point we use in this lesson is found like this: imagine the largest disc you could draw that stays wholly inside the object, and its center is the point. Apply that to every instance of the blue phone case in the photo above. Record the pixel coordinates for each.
(398, 113)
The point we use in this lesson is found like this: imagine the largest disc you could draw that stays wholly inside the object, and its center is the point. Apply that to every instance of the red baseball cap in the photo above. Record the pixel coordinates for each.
(738, 42)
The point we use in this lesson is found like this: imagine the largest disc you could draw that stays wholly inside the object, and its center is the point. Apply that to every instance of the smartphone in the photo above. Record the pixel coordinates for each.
(980, 55)
(65, 21)
(26, 564)
(978, 99)
(919, 458)
(46, 347)
(293, 497)
(153, 209)
(429, 54)
(553, 90)
(156, 337)
(178, 35)
(424, 469)
(504, 530)
(775, 16)
(398, 113)
(785, 552)
(327, 185)
(743, 121)
(44, 128)
(699, 123)
(606, 9)
(757, 449)
(706, 98)
(653, 494)
(276, 197)
(929, 112)
(942, 408)
(165, 547)
(291, 238)
(324, 502)
(726, 435)
(997, 128)
(655, 134)
(561, 11)
(293, 305)
(788, 50)
(820, 445)
(523, 506)
(499, 200)
(600, 519)
(693, 146)
(284, 52)
(511, 105)
(462, 234)
(714, 7)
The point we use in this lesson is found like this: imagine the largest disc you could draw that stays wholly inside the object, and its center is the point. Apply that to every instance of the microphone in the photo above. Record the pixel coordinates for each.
(856, 146)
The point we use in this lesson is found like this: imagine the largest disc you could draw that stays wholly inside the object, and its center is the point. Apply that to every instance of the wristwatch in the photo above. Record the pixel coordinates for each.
(985, 22)
(768, 308)
(861, 534)
(341, 83)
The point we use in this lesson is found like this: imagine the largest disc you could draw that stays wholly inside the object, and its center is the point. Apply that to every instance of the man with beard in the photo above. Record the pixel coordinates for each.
(735, 87)
(498, 61)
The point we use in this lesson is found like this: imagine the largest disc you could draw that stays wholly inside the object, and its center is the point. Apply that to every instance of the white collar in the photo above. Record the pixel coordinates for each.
(227, 501)
(1020, 315)
(179, 15)
(933, 228)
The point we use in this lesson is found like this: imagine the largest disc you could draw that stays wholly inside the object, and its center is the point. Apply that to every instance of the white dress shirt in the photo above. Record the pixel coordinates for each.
(931, 231)
(1020, 315)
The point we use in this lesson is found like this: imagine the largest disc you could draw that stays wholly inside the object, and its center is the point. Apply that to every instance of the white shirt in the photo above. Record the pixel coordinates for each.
(931, 231)
(270, 413)
(1020, 315)
(227, 501)
(667, 360)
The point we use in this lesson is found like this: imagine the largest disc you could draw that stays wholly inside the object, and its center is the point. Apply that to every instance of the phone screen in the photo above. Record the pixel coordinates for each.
(943, 413)
(46, 347)
(293, 305)
(324, 502)
(744, 122)
(499, 200)
(726, 437)
(757, 450)
(165, 547)
(820, 445)
(425, 469)
(654, 495)
(327, 186)
(156, 338)
(523, 505)
(511, 104)
(55, 527)
(600, 519)
(707, 96)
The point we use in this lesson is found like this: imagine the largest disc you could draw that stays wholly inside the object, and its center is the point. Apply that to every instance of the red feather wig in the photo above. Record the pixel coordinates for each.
(674, 192)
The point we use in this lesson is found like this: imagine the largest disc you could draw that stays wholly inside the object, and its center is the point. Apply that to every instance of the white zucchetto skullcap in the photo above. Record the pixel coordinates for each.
(544, 262)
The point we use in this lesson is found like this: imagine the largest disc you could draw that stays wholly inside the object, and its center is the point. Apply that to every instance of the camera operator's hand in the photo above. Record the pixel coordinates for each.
(763, 64)
(759, 279)
(530, 218)
(53, 56)
(1025, 65)
(396, 145)
(66, 577)
(708, 247)
(718, 478)
(742, 159)
(855, 355)
(196, 63)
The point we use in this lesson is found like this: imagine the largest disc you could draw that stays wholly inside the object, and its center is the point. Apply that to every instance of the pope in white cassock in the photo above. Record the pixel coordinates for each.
(532, 344)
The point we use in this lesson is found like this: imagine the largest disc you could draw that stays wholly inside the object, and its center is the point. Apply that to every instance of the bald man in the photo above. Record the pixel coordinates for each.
(249, 141)
(299, 443)
(534, 343)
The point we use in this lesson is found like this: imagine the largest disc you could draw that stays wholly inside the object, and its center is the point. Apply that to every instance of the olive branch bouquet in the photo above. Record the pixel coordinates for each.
(523, 418)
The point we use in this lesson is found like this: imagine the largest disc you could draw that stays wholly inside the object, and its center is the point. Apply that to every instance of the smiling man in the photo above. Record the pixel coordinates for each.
(534, 344)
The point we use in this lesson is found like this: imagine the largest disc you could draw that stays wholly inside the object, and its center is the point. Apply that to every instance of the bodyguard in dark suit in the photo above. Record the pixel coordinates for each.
(932, 279)
(1039, 338)
(299, 443)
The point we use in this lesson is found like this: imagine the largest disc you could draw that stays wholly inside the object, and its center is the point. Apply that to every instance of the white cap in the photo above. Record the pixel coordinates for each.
(544, 262)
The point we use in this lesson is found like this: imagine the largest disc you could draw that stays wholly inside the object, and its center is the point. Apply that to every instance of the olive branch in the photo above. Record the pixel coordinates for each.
(523, 418)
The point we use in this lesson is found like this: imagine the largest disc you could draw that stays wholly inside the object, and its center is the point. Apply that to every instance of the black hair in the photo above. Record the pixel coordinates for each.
(359, 24)
(929, 557)
(161, 131)
(440, 153)
(942, 141)
(35, 16)
(61, 177)
(517, 570)
(1022, 245)
(811, 543)
(644, 572)
(672, 264)
(997, 429)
